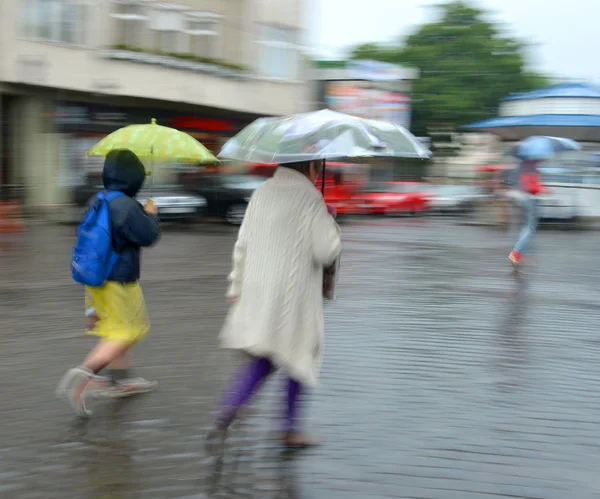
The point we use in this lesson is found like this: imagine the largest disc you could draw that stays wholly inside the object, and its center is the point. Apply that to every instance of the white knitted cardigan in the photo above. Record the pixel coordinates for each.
(285, 240)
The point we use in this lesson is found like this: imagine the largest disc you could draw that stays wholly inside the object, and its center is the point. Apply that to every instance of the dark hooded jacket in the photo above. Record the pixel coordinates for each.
(132, 227)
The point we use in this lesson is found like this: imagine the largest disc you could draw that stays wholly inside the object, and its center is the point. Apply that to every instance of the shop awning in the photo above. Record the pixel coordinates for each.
(583, 128)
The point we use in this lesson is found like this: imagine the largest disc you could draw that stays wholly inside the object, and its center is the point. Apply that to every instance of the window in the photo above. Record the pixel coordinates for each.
(130, 22)
(279, 52)
(203, 31)
(167, 24)
(54, 20)
(68, 23)
(44, 13)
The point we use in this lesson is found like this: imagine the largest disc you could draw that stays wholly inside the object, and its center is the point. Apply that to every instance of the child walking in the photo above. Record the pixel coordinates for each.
(116, 309)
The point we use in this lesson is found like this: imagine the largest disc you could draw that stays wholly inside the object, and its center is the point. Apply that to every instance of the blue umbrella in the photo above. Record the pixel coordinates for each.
(541, 147)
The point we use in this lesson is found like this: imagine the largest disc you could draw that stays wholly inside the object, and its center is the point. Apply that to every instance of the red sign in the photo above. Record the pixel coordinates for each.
(208, 124)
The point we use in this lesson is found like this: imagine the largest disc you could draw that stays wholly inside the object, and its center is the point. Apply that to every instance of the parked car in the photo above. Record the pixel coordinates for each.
(558, 205)
(393, 198)
(342, 197)
(454, 198)
(559, 199)
(172, 201)
(342, 181)
(227, 195)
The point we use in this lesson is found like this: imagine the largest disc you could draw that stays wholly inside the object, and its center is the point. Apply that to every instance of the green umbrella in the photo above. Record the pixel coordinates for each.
(155, 142)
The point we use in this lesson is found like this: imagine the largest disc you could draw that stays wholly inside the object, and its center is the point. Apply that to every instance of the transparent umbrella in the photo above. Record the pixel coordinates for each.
(320, 135)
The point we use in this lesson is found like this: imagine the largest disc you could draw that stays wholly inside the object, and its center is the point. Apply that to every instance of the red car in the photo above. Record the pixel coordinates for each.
(342, 182)
(394, 198)
(342, 197)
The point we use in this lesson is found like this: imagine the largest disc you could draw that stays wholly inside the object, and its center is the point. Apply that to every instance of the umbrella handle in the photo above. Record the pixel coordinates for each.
(151, 170)
(323, 179)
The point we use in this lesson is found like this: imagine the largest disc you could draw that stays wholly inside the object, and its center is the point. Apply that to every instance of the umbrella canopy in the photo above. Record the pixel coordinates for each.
(158, 143)
(541, 147)
(320, 135)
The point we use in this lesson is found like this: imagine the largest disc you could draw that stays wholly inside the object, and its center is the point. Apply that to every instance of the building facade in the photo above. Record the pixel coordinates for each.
(72, 71)
(569, 110)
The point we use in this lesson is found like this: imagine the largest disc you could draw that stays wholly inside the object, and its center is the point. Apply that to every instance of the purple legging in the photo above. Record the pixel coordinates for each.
(243, 386)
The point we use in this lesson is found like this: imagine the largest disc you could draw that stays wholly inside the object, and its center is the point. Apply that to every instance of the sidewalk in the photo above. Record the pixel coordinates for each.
(444, 377)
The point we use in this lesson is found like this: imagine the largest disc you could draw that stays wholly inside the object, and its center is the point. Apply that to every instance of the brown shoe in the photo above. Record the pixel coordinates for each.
(298, 441)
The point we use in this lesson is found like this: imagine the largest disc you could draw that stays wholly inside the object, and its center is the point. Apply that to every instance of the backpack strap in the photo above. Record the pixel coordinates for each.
(108, 196)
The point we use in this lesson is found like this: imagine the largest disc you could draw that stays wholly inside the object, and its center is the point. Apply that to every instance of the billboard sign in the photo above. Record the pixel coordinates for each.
(371, 103)
(375, 71)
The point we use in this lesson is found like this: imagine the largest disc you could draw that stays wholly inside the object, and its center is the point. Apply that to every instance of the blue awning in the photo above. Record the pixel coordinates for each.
(565, 90)
(580, 127)
(581, 120)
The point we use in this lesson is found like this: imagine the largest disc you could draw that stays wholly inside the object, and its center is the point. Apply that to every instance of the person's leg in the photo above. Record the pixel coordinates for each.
(530, 226)
(293, 437)
(76, 380)
(241, 389)
(122, 322)
(105, 353)
(120, 368)
(122, 362)
(130, 321)
(124, 383)
(294, 390)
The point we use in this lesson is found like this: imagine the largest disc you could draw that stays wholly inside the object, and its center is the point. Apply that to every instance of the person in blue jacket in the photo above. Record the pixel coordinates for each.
(116, 311)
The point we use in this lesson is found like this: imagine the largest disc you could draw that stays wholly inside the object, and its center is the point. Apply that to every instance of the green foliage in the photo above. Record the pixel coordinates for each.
(467, 65)
(186, 57)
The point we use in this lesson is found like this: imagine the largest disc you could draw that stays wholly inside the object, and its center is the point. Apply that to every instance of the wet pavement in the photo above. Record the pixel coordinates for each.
(444, 376)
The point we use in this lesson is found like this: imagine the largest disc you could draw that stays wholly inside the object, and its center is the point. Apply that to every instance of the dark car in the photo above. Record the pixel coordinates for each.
(172, 201)
(227, 195)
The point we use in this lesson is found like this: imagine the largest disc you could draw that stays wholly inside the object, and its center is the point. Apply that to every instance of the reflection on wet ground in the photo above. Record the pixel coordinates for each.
(445, 375)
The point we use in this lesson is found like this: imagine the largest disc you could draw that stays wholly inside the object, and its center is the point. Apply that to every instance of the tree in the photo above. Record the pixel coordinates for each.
(466, 67)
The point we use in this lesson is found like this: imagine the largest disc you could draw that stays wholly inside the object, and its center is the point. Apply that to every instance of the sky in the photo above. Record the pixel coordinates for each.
(564, 33)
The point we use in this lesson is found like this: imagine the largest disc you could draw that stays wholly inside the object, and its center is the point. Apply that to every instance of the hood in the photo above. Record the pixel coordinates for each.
(124, 172)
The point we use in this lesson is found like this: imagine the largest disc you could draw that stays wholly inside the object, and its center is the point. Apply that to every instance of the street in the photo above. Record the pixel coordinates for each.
(445, 377)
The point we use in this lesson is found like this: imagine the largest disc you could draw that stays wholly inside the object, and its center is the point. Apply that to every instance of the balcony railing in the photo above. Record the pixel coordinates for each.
(187, 62)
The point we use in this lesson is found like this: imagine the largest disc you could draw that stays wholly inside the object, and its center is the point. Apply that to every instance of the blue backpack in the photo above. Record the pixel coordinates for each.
(94, 255)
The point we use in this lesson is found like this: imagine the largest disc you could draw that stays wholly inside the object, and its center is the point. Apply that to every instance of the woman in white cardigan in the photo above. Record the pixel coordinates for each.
(276, 291)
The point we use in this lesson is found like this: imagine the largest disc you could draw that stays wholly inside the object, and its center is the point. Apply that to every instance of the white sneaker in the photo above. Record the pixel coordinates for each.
(72, 388)
(127, 388)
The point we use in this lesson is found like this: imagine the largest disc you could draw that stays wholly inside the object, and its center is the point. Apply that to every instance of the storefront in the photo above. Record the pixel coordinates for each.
(80, 126)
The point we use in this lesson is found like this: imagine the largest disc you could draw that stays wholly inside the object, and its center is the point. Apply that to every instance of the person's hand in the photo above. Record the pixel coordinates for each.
(91, 321)
(233, 300)
(332, 211)
(150, 207)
